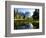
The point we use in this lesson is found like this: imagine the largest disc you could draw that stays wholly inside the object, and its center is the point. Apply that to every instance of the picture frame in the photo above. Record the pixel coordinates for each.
(9, 18)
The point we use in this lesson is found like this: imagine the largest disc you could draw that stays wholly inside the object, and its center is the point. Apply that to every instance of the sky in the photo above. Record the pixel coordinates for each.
(23, 10)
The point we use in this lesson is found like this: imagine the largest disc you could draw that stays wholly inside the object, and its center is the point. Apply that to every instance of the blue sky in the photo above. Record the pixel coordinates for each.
(23, 10)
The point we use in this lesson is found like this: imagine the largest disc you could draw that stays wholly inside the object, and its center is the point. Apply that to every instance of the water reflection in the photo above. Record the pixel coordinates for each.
(24, 26)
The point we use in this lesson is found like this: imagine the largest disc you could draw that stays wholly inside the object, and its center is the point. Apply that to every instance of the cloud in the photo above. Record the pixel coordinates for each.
(24, 10)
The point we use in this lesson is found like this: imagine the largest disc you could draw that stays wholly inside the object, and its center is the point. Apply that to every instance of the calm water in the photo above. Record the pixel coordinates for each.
(26, 26)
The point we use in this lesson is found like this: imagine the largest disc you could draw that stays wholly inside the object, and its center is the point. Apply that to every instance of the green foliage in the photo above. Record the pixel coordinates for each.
(36, 19)
(36, 14)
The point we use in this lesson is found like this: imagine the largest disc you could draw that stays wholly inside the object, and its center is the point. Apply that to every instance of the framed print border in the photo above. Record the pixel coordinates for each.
(8, 18)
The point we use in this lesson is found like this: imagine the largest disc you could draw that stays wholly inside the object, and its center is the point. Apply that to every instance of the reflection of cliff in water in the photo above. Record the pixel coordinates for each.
(23, 26)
